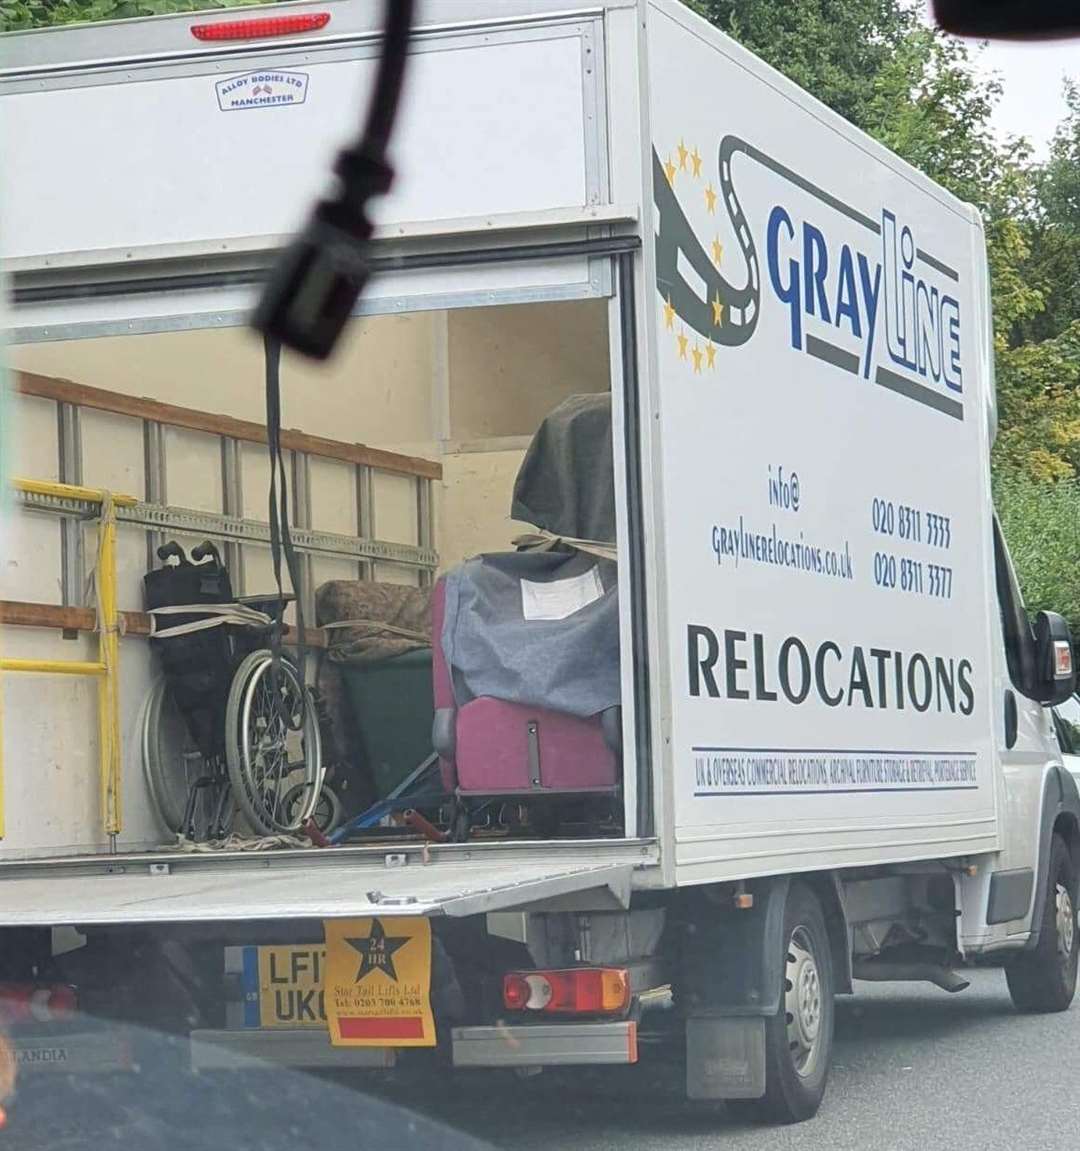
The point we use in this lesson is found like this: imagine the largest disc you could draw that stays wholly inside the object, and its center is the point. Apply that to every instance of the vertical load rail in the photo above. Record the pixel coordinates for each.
(101, 505)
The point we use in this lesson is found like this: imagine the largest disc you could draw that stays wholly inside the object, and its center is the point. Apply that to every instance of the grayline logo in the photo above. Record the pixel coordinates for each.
(883, 310)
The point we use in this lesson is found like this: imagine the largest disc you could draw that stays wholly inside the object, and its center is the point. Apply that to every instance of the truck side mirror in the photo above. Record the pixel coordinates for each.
(1008, 19)
(1054, 658)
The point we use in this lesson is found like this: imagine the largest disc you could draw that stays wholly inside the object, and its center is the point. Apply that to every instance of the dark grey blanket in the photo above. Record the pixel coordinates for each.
(566, 483)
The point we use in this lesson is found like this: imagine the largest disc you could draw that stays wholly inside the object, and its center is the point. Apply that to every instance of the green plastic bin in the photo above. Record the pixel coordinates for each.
(393, 706)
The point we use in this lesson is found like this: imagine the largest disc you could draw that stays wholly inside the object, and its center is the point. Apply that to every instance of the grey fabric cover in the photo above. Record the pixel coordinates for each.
(569, 665)
(566, 483)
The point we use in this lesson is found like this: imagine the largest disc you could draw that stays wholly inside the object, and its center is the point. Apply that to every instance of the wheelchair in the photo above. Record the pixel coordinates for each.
(227, 730)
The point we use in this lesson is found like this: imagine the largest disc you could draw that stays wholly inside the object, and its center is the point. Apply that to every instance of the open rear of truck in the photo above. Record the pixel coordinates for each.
(175, 155)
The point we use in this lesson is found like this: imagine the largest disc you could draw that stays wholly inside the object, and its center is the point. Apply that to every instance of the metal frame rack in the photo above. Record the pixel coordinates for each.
(76, 504)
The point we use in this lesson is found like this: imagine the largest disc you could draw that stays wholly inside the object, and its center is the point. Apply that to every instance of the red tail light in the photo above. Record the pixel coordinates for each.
(572, 991)
(516, 992)
(263, 28)
(36, 1002)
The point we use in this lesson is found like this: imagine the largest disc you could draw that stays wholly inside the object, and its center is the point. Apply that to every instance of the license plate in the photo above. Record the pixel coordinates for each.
(285, 984)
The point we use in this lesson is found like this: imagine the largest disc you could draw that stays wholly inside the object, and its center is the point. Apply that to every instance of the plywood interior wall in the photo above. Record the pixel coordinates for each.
(449, 386)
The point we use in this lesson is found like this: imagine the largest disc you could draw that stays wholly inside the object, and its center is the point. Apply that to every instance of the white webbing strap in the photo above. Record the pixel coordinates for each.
(214, 615)
(542, 540)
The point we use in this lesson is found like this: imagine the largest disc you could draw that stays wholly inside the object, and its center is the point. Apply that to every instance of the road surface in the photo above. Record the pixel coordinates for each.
(914, 1068)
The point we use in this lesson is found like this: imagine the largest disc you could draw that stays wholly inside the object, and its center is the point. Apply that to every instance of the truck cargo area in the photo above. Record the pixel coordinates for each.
(402, 463)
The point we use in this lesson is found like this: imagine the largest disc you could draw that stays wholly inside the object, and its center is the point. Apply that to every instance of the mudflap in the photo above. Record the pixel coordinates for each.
(729, 975)
(727, 984)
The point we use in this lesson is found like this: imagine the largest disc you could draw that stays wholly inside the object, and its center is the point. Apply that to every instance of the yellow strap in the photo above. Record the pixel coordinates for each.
(108, 622)
(3, 827)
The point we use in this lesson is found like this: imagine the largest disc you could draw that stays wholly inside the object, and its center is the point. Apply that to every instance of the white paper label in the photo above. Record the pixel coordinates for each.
(560, 598)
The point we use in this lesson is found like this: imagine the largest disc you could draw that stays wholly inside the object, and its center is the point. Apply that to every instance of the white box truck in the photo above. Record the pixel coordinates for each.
(837, 759)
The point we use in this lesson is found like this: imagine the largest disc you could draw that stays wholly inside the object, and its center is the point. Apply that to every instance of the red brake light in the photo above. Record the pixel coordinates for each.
(516, 992)
(62, 1001)
(36, 1003)
(572, 991)
(262, 28)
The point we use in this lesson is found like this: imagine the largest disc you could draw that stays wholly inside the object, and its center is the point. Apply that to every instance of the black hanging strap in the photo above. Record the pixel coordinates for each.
(280, 537)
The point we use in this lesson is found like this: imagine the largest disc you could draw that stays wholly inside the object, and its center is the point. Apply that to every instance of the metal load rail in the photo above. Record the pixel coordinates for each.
(234, 529)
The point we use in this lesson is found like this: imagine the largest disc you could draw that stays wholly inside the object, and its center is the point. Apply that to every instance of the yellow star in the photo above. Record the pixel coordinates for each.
(717, 251)
(683, 341)
(695, 160)
(696, 354)
(683, 153)
(669, 314)
(717, 311)
(710, 197)
(669, 171)
(710, 354)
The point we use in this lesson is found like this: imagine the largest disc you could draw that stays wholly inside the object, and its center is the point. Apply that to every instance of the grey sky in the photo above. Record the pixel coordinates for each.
(1031, 104)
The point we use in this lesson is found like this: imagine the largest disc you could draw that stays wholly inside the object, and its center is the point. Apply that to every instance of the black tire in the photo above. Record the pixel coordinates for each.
(328, 810)
(1044, 979)
(796, 1074)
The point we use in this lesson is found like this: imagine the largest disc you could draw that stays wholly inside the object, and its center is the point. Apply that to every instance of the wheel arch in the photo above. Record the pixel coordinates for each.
(830, 894)
(1060, 816)
(729, 963)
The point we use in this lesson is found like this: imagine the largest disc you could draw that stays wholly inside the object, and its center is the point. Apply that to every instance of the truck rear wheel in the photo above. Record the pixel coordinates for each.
(799, 1037)
(1044, 979)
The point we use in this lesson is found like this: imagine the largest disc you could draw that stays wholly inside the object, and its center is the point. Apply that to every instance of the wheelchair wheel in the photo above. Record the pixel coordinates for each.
(272, 745)
(328, 811)
(172, 763)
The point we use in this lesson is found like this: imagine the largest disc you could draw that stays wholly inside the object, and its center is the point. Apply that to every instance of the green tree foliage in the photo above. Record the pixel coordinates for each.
(18, 14)
(1042, 524)
(835, 49)
(1054, 224)
(1038, 316)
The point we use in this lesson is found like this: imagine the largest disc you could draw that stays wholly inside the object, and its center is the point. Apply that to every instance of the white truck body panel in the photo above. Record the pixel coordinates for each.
(496, 123)
(780, 451)
(514, 108)
(546, 178)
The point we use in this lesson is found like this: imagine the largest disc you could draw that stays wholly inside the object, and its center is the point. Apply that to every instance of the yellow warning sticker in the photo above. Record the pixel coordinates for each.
(377, 982)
